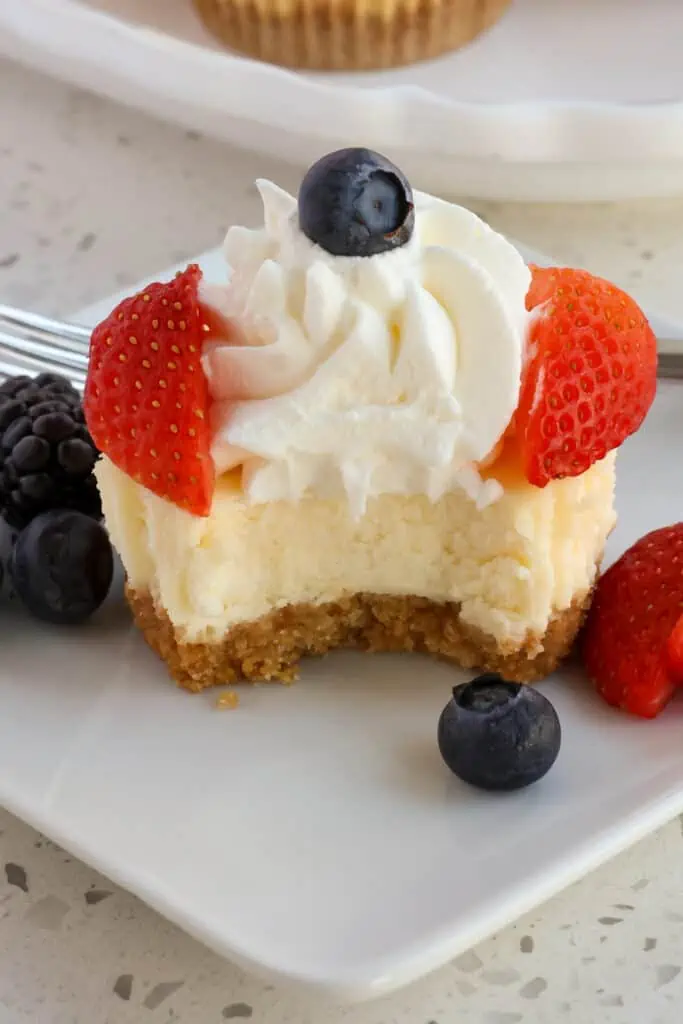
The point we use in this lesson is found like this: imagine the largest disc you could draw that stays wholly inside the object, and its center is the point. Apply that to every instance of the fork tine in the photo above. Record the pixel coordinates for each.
(53, 351)
(76, 337)
(33, 344)
(79, 345)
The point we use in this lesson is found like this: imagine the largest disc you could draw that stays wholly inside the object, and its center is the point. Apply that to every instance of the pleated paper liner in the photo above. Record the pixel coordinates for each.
(347, 35)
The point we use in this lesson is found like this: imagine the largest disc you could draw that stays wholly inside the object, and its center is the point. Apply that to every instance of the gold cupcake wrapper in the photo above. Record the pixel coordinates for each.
(346, 35)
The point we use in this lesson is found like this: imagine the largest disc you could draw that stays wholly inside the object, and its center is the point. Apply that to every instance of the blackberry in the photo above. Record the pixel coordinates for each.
(46, 453)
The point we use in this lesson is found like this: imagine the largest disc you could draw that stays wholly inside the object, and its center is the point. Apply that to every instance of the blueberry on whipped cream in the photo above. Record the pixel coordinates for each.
(376, 341)
(355, 202)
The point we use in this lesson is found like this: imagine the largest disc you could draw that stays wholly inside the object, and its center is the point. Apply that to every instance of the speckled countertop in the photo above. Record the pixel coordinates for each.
(93, 198)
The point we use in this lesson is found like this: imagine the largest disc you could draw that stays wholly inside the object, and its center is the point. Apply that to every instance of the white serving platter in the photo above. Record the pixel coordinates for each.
(561, 100)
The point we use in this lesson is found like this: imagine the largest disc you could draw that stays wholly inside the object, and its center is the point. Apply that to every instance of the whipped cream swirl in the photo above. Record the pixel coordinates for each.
(396, 373)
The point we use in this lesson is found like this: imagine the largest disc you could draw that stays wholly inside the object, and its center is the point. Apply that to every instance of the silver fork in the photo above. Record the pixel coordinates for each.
(30, 343)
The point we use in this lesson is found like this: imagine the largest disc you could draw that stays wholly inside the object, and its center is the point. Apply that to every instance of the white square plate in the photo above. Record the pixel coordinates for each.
(314, 833)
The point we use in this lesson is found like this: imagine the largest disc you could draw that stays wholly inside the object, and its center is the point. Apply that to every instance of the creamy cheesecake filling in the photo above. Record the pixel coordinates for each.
(510, 566)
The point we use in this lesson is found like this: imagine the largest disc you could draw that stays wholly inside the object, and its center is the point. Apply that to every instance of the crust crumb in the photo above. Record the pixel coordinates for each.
(228, 700)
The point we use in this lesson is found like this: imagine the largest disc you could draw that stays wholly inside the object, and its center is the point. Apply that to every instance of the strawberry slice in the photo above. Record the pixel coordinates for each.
(633, 638)
(146, 397)
(590, 375)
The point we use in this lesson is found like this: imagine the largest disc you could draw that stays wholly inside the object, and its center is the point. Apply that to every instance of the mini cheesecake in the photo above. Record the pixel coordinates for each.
(383, 431)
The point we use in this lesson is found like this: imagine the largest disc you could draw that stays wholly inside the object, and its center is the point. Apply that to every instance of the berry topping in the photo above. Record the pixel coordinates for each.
(498, 735)
(46, 453)
(590, 376)
(62, 566)
(633, 638)
(356, 203)
(146, 396)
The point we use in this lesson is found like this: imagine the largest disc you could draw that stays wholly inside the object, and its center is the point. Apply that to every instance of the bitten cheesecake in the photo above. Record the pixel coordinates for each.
(382, 431)
(248, 590)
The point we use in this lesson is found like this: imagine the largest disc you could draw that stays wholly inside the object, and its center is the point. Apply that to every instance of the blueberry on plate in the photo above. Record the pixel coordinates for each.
(62, 566)
(356, 203)
(498, 735)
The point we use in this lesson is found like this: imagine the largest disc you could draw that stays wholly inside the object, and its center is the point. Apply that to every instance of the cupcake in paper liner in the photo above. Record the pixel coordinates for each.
(346, 35)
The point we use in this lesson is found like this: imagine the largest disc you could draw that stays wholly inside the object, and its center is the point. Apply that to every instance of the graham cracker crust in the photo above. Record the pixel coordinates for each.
(269, 649)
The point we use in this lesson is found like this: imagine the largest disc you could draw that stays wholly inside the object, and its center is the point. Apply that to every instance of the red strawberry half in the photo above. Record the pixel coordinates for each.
(590, 375)
(633, 638)
(146, 397)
